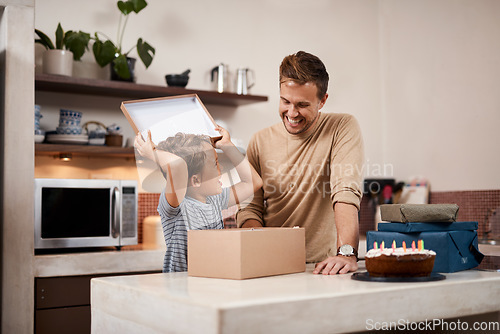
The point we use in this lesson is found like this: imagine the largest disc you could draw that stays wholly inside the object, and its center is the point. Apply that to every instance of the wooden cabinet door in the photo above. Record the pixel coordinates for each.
(53, 292)
(74, 320)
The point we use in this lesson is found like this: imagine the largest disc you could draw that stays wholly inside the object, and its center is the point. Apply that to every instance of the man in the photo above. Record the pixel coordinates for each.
(311, 166)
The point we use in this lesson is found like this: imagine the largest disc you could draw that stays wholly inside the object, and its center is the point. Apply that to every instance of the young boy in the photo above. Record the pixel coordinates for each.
(193, 198)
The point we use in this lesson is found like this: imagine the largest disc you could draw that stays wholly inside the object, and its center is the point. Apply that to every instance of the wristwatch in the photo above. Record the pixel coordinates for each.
(347, 250)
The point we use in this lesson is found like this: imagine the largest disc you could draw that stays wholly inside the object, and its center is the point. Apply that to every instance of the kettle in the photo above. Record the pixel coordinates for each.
(221, 72)
(243, 82)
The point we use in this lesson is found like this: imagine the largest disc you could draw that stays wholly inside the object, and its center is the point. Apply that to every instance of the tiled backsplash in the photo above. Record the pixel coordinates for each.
(148, 204)
(366, 216)
(482, 206)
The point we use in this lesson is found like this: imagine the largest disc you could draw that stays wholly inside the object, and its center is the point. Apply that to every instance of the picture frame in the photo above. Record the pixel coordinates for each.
(166, 116)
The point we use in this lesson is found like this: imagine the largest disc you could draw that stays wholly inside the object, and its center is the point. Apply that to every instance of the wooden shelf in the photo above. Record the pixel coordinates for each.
(85, 150)
(129, 90)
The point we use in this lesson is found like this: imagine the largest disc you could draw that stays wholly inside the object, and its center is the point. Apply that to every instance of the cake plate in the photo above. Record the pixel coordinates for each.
(364, 276)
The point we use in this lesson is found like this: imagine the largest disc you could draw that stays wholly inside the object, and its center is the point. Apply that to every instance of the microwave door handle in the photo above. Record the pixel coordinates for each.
(115, 229)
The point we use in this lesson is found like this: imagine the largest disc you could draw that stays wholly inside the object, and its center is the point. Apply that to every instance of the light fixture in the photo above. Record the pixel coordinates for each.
(65, 156)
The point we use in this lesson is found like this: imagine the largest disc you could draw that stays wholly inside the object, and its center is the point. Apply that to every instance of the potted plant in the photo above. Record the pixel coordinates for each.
(70, 45)
(106, 51)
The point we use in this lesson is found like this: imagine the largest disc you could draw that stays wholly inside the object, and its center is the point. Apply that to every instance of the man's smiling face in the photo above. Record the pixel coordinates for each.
(299, 105)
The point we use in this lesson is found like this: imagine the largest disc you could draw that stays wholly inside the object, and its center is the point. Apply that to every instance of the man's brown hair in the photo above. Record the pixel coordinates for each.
(189, 147)
(303, 67)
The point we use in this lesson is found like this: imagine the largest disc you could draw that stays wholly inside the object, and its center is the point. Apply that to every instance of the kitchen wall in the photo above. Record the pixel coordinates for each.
(255, 34)
(441, 78)
(420, 76)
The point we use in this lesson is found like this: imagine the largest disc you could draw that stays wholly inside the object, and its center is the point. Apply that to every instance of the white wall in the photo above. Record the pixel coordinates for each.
(441, 69)
(396, 65)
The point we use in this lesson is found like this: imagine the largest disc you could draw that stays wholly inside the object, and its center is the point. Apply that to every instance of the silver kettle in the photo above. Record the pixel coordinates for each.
(220, 73)
(243, 82)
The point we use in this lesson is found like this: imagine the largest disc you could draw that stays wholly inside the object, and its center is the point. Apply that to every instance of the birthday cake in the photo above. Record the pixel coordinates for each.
(400, 262)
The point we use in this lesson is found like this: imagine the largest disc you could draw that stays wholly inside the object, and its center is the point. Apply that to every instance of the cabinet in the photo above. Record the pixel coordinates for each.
(62, 304)
(128, 90)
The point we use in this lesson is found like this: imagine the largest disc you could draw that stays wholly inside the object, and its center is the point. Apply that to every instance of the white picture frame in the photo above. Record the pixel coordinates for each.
(166, 116)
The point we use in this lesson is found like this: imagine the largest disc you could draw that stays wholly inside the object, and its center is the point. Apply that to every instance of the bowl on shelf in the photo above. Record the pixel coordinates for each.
(177, 80)
(39, 138)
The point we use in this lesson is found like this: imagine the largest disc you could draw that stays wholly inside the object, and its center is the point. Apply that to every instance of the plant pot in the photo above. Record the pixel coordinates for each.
(58, 62)
(90, 70)
(131, 67)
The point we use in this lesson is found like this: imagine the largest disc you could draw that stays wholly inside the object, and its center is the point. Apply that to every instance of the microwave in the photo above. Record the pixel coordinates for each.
(79, 213)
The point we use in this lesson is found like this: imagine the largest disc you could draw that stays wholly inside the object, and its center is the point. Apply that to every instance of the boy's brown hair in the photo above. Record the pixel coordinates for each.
(189, 147)
(304, 67)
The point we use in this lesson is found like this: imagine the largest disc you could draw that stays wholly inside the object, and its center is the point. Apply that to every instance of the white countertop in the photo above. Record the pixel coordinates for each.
(295, 303)
(102, 262)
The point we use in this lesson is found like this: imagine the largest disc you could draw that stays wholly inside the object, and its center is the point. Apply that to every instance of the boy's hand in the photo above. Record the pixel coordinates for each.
(145, 148)
(226, 138)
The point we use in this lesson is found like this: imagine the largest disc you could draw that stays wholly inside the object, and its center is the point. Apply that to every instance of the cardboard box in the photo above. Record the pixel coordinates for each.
(456, 250)
(246, 253)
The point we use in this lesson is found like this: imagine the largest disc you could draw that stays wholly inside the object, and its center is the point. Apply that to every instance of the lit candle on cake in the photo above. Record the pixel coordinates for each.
(375, 246)
(413, 245)
(393, 245)
(404, 246)
(382, 245)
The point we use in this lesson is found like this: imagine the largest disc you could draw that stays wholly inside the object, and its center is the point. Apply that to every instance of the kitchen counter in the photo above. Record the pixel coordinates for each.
(295, 303)
(489, 250)
(133, 259)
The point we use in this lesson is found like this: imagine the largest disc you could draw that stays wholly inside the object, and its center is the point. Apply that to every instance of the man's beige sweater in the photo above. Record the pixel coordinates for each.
(304, 176)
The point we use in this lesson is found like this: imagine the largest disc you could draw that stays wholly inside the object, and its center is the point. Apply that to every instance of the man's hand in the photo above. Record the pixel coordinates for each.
(336, 265)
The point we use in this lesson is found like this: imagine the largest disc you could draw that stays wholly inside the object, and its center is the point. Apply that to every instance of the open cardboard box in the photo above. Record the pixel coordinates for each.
(165, 117)
(246, 253)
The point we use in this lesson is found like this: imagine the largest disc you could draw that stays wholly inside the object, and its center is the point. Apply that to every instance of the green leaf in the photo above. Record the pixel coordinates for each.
(138, 5)
(146, 52)
(77, 42)
(104, 53)
(59, 37)
(44, 40)
(120, 66)
(129, 6)
(126, 7)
